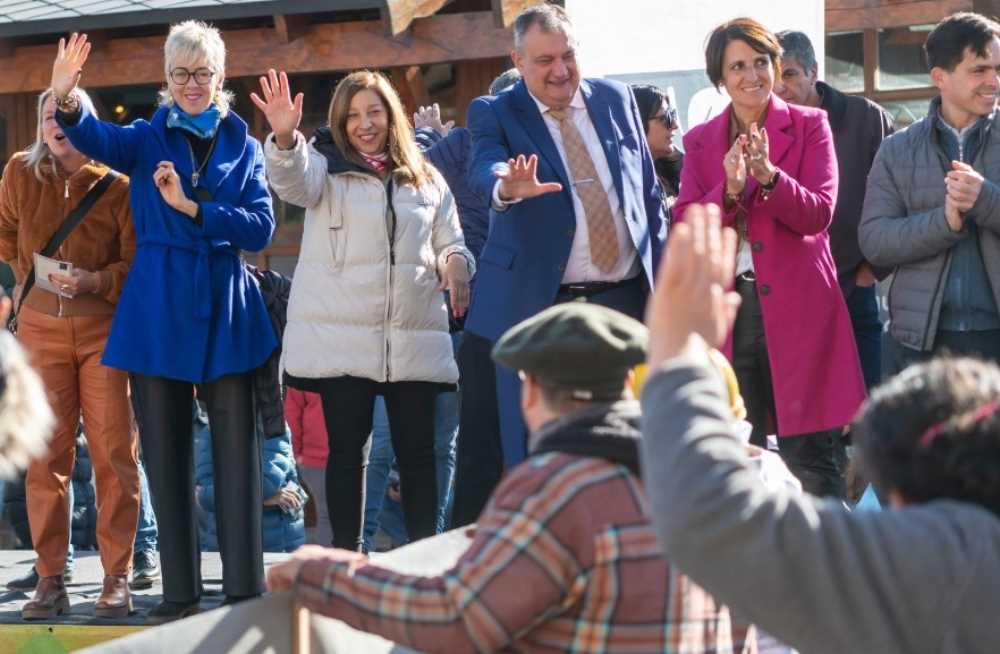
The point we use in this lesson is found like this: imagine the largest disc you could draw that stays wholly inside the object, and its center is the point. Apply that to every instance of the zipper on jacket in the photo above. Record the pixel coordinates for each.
(391, 237)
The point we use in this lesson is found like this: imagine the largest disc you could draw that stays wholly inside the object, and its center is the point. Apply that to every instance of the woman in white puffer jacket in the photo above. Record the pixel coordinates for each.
(367, 311)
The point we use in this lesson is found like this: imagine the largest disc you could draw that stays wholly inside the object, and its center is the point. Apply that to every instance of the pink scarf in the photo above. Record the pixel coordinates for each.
(378, 162)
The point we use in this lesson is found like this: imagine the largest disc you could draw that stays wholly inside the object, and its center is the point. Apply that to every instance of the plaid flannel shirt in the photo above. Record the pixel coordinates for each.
(563, 559)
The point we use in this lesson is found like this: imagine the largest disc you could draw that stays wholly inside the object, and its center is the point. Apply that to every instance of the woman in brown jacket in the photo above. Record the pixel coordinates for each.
(64, 334)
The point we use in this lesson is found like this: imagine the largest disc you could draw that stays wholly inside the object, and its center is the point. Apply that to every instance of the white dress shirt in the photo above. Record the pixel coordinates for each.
(579, 267)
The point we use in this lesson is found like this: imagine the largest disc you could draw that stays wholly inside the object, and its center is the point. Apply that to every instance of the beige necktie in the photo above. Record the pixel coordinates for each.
(596, 208)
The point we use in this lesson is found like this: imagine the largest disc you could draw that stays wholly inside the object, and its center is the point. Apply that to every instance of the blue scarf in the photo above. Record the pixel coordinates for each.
(203, 125)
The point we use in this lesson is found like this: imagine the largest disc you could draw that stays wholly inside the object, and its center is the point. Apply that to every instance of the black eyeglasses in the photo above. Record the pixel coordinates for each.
(202, 76)
(668, 118)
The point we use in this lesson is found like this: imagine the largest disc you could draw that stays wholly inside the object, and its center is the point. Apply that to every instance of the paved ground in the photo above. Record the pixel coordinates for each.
(86, 588)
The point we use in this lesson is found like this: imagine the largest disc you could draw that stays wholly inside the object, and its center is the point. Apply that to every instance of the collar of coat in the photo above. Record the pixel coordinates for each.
(835, 104)
(605, 431)
(336, 162)
(230, 147)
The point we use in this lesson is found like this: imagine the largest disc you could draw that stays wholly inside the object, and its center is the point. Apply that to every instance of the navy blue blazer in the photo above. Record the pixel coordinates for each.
(522, 263)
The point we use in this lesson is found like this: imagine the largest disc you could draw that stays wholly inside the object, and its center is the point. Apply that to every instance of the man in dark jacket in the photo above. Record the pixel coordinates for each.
(859, 126)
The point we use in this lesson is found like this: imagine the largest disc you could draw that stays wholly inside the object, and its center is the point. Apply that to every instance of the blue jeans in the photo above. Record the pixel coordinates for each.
(381, 458)
(862, 304)
(145, 534)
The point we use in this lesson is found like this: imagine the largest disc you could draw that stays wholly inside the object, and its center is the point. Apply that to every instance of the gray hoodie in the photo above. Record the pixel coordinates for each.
(824, 580)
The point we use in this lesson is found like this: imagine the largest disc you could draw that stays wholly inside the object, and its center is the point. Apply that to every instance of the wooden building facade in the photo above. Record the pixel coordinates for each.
(445, 51)
(874, 48)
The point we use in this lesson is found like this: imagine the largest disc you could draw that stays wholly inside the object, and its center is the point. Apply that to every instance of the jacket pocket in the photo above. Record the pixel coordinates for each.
(498, 255)
(337, 238)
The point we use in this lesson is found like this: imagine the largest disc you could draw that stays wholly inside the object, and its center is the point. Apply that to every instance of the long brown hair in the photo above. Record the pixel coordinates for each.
(407, 160)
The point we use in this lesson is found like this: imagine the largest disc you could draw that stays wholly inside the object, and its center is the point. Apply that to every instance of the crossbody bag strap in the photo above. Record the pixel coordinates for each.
(68, 225)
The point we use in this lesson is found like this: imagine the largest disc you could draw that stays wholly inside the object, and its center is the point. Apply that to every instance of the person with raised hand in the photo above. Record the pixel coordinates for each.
(913, 579)
(367, 314)
(190, 312)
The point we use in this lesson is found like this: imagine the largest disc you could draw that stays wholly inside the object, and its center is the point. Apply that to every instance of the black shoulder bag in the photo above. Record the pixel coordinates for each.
(67, 226)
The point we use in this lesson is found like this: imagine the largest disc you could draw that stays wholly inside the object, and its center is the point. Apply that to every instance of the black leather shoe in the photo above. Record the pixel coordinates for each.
(167, 611)
(145, 570)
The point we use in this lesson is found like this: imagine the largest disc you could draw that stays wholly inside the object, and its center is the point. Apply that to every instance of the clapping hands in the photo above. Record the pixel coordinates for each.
(748, 155)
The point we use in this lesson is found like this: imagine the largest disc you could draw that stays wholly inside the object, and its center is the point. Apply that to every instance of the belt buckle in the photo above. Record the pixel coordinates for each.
(576, 288)
(747, 276)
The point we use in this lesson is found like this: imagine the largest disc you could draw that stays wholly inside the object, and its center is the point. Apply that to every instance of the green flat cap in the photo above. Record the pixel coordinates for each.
(585, 348)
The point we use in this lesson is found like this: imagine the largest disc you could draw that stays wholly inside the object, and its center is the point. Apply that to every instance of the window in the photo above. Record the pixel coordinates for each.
(845, 63)
(906, 112)
(900, 58)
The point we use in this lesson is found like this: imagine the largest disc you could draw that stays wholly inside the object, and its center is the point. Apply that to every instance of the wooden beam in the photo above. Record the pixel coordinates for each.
(290, 28)
(851, 15)
(324, 48)
(505, 11)
(398, 15)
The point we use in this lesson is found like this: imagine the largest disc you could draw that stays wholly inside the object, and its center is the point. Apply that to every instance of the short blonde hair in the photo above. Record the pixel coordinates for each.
(40, 158)
(194, 40)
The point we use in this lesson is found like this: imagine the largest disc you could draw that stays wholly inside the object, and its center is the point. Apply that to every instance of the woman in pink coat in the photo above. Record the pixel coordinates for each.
(773, 170)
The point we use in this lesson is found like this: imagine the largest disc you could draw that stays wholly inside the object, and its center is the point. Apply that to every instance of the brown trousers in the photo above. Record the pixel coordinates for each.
(66, 352)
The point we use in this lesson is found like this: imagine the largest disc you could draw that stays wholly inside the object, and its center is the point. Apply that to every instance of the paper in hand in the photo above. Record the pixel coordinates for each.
(44, 266)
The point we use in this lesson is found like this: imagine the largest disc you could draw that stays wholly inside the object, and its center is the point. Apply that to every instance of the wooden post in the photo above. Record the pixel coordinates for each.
(301, 634)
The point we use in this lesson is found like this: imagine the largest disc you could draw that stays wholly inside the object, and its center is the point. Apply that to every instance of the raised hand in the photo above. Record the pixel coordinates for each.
(431, 117)
(68, 66)
(690, 301)
(520, 180)
(736, 167)
(283, 114)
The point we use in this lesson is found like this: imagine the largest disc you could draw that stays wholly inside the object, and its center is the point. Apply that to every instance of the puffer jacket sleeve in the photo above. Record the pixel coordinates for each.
(297, 175)
(447, 235)
(888, 234)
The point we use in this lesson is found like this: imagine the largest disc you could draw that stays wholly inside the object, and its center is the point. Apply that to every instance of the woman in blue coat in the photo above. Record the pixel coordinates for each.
(190, 312)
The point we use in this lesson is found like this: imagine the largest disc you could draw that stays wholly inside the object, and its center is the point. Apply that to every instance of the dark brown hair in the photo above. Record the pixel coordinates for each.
(750, 32)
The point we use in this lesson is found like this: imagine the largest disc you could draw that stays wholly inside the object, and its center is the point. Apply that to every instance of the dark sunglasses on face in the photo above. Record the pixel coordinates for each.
(202, 76)
(668, 119)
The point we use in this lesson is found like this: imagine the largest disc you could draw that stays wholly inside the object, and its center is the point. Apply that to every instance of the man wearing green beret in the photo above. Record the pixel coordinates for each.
(564, 558)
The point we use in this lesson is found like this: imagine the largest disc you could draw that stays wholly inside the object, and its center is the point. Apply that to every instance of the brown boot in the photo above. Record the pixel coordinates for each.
(50, 600)
(115, 600)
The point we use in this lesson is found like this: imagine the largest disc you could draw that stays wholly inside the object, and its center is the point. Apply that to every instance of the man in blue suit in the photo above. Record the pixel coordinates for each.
(576, 211)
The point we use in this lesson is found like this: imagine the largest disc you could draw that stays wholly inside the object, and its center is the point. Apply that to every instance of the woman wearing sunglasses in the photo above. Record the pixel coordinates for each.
(660, 119)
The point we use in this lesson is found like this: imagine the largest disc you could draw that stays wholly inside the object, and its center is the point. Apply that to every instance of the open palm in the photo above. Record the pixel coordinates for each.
(520, 179)
(68, 66)
(283, 114)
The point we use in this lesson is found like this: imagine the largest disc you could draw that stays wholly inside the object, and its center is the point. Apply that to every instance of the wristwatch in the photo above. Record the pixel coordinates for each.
(771, 183)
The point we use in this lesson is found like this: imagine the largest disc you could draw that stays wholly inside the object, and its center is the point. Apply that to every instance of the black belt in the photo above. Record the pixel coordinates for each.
(586, 289)
(748, 276)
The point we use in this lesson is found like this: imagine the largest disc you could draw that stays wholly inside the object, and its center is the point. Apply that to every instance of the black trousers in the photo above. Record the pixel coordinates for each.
(164, 413)
(348, 404)
(479, 460)
(814, 458)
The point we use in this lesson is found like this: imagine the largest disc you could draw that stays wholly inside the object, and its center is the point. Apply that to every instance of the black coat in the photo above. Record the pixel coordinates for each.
(859, 126)
(270, 402)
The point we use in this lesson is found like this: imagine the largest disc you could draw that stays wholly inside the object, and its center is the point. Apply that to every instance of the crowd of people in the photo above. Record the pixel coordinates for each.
(467, 314)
